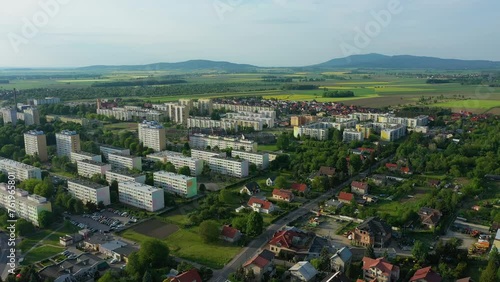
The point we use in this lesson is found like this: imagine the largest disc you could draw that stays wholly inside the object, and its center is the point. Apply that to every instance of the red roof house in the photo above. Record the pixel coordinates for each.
(426, 274)
(300, 187)
(260, 264)
(359, 188)
(260, 205)
(379, 269)
(283, 195)
(230, 234)
(391, 166)
(345, 197)
(188, 276)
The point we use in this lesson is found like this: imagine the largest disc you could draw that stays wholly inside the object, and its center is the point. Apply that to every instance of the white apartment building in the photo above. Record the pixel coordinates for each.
(177, 113)
(26, 206)
(178, 160)
(319, 130)
(125, 161)
(205, 155)
(130, 112)
(44, 101)
(186, 102)
(9, 115)
(264, 117)
(81, 155)
(141, 196)
(107, 149)
(204, 105)
(228, 166)
(393, 132)
(121, 175)
(178, 184)
(35, 144)
(89, 191)
(260, 160)
(352, 135)
(247, 122)
(206, 122)
(89, 168)
(22, 171)
(67, 142)
(202, 141)
(152, 135)
(31, 116)
(241, 108)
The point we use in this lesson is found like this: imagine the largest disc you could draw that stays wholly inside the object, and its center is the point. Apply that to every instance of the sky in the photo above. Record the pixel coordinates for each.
(71, 33)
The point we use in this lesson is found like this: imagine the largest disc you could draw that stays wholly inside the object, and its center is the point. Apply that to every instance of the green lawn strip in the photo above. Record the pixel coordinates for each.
(41, 253)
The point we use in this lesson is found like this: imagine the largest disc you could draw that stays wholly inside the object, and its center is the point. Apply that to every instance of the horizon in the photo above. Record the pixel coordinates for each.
(278, 33)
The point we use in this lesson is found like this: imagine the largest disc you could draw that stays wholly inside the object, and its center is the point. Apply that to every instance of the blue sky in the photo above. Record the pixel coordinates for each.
(259, 32)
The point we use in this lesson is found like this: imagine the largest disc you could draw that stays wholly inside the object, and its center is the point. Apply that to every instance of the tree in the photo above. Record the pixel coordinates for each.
(226, 196)
(255, 224)
(24, 227)
(45, 219)
(78, 206)
(252, 168)
(489, 274)
(419, 251)
(185, 171)
(184, 266)
(202, 188)
(147, 277)
(206, 169)
(370, 252)
(152, 254)
(209, 231)
(283, 141)
(240, 223)
(280, 182)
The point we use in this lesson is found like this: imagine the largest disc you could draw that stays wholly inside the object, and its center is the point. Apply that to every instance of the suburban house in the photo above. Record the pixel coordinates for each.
(251, 188)
(372, 232)
(230, 234)
(326, 171)
(283, 195)
(345, 197)
(188, 276)
(117, 250)
(434, 182)
(261, 264)
(359, 188)
(429, 217)
(270, 181)
(426, 274)
(82, 268)
(333, 204)
(370, 198)
(302, 271)
(379, 270)
(300, 188)
(291, 241)
(341, 260)
(378, 179)
(260, 205)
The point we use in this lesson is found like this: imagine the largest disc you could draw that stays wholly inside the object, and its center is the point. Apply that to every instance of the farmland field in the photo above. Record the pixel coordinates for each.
(156, 229)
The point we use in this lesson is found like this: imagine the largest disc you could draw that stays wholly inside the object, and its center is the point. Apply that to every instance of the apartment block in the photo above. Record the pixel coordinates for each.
(177, 113)
(365, 130)
(120, 161)
(179, 160)
(228, 166)
(9, 115)
(27, 206)
(31, 116)
(141, 196)
(67, 142)
(35, 144)
(152, 135)
(81, 155)
(205, 105)
(44, 101)
(106, 150)
(21, 171)
(89, 191)
(130, 113)
(206, 122)
(178, 184)
(241, 108)
(121, 175)
(260, 160)
(89, 168)
(393, 132)
(352, 135)
(205, 155)
(302, 120)
(202, 141)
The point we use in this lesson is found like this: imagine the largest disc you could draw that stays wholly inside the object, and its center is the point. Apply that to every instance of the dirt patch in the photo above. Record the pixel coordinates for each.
(494, 111)
(156, 229)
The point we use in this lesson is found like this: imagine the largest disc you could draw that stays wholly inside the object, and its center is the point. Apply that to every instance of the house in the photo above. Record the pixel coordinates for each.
(434, 182)
(370, 198)
(230, 234)
(283, 195)
(302, 271)
(261, 264)
(82, 268)
(260, 205)
(426, 274)
(336, 277)
(65, 240)
(333, 204)
(391, 166)
(378, 179)
(429, 217)
(341, 260)
(372, 232)
(188, 276)
(300, 188)
(250, 188)
(291, 241)
(117, 250)
(379, 270)
(359, 188)
(345, 197)
(270, 181)
(326, 171)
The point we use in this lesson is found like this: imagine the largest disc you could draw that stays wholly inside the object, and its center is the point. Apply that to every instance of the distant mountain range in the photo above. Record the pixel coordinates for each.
(371, 61)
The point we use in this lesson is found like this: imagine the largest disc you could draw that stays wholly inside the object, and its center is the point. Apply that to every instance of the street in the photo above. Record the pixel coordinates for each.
(259, 242)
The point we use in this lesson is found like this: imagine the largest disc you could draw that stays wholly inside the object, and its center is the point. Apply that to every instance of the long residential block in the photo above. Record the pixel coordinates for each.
(81, 155)
(27, 206)
(89, 191)
(141, 196)
(122, 175)
(260, 160)
(205, 155)
(89, 168)
(228, 166)
(178, 160)
(21, 171)
(120, 161)
(106, 150)
(176, 183)
(203, 141)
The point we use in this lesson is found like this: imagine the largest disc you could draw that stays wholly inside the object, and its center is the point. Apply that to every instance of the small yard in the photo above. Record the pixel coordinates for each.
(41, 253)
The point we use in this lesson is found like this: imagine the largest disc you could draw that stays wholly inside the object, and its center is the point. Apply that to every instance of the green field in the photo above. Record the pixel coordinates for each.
(467, 104)
(41, 253)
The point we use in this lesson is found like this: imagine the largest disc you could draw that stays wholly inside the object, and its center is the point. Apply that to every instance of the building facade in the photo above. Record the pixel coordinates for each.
(106, 150)
(261, 160)
(89, 168)
(67, 142)
(124, 176)
(120, 161)
(173, 183)
(35, 144)
(31, 116)
(141, 196)
(152, 135)
(202, 141)
(228, 166)
(81, 155)
(20, 170)
(27, 206)
(88, 191)
(179, 160)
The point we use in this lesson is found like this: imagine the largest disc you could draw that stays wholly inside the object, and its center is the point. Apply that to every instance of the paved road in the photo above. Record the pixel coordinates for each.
(259, 242)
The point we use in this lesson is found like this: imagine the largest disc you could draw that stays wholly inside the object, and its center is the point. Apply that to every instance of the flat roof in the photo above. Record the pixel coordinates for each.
(139, 186)
(87, 183)
(173, 175)
(93, 162)
(35, 132)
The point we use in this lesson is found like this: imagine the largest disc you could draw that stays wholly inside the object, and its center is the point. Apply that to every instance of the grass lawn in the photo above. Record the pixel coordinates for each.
(31, 240)
(271, 148)
(41, 253)
(467, 104)
(122, 126)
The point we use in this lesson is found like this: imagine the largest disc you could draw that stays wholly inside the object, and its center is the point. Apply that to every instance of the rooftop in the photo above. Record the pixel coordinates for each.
(173, 175)
(34, 132)
(68, 132)
(93, 162)
(139, 186)
(87, 183)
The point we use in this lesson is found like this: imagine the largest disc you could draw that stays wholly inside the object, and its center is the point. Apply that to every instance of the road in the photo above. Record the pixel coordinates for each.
(259, 242)
(3, 255)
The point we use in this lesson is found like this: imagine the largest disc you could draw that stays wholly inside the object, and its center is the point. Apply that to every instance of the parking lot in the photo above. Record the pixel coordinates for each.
(104, 221)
